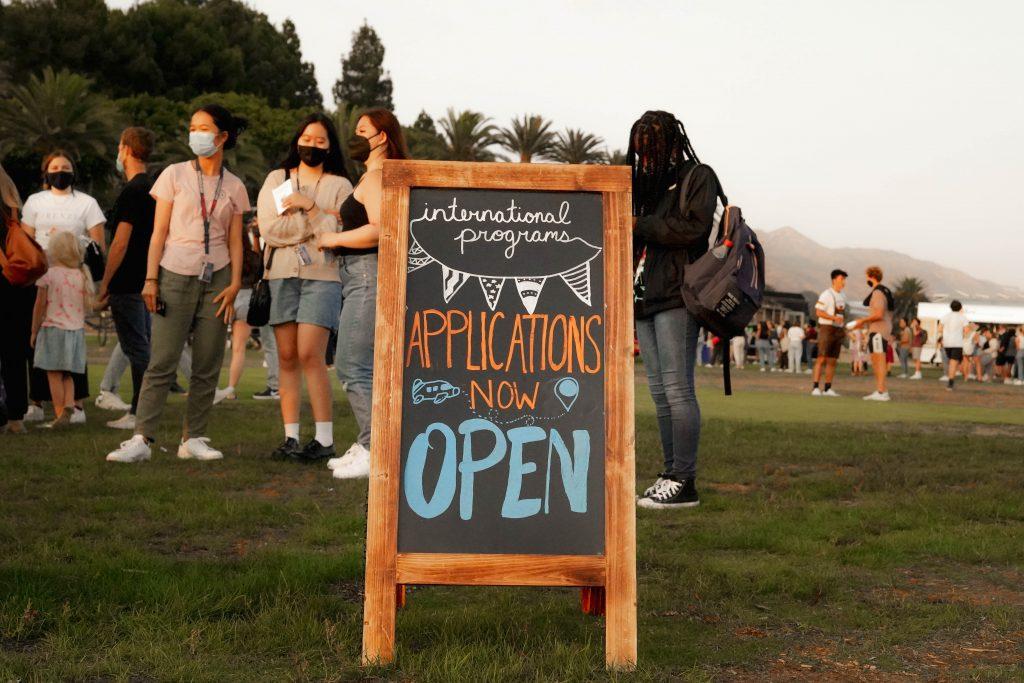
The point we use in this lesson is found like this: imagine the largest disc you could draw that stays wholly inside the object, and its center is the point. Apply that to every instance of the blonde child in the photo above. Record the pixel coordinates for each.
(58, 322)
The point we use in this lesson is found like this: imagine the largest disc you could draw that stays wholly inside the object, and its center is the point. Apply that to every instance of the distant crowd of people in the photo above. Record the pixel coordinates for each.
(973, 351)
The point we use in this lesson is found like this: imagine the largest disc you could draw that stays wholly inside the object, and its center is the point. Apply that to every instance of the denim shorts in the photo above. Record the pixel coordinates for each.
(242, 304)
(314, 302)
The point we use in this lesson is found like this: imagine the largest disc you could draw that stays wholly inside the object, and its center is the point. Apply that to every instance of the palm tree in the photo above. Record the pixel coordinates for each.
(576, 147)
(467, 135)
(615, 157)
(58, 110)
(528, 137)
(909, 292)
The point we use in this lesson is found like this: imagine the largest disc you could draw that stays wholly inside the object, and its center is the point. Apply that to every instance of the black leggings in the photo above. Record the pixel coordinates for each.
(15, 353)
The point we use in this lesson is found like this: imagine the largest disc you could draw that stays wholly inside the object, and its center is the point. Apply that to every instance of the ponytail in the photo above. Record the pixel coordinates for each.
(226, 122)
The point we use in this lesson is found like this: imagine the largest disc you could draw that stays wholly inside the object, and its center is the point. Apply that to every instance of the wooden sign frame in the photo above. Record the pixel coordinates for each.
(608, 580)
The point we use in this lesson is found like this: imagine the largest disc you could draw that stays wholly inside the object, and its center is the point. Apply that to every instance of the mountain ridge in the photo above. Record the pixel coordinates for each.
(797, 263)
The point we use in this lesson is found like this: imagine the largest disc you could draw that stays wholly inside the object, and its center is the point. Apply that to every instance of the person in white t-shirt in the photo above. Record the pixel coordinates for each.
(795, 338)
(831, 312)
(952, 329)
(61, 208)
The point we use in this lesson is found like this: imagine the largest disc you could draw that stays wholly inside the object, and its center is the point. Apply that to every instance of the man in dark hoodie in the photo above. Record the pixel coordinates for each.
(674, 198)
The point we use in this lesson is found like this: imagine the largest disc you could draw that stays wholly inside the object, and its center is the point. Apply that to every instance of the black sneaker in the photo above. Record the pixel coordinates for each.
(314, 451)
(654, 487)
(672, 494)
(267, 394)
(289, 448)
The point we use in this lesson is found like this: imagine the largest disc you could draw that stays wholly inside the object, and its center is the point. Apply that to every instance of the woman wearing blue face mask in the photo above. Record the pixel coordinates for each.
(193, 273)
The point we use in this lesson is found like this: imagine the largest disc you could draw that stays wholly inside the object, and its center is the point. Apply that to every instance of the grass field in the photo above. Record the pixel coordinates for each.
(836, 540)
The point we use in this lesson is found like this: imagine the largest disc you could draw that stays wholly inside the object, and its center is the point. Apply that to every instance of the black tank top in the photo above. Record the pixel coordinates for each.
(353, 215)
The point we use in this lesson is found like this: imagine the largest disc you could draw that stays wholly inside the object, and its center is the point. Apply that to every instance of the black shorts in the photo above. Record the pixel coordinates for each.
(954, 353)
(1005, 360)
(877, 343)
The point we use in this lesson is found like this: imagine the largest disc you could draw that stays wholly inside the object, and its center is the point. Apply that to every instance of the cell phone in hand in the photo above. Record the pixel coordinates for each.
(161, 307)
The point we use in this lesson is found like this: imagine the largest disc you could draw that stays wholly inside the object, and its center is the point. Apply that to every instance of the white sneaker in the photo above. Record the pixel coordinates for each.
(198, 447)
(903, 375)
(225, 394)
(816, 392)
(831, 393)
(763, 370)
(346, 458)
(916, 375)
(134, 449)
(943, 378)
(78, 416)
(108, 400)
(358, 467)
(126, 421)
(876, 396)
(34, 414)
(1007, 381)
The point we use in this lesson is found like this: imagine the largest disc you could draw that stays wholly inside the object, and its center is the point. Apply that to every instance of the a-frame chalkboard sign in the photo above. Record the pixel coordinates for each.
(502, 442)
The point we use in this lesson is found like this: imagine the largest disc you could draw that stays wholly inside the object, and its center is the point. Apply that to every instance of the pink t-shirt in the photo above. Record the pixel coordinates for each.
(65, 297)
(183, 251)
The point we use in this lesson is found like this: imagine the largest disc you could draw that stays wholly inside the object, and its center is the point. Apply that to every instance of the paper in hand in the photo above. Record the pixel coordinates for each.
(280, 192)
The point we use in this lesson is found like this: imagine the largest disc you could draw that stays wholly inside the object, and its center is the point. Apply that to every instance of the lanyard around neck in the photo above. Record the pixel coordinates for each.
(202, 203)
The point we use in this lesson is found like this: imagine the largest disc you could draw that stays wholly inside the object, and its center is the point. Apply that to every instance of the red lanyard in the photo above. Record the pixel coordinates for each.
(202, 204)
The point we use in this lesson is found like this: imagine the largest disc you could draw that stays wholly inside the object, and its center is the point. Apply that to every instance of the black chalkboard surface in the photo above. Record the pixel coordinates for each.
(503, 424)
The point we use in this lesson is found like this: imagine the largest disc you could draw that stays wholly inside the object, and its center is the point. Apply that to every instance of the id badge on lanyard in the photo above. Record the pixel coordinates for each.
(206, 274)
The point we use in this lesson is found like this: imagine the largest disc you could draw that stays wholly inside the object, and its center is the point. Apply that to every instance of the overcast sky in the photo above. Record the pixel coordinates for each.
(877, 123)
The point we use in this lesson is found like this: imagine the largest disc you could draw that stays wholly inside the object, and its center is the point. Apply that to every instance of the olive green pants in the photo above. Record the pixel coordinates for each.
(190, 311)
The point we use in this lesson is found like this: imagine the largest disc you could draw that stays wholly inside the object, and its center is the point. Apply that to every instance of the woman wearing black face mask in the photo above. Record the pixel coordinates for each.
(297, 205)
(61, 208)
(378, 136)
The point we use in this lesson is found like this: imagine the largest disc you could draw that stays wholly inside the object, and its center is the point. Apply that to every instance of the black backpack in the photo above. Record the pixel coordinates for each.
(723, 288)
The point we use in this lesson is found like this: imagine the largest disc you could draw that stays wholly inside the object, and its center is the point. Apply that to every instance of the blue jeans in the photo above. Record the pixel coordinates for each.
(353, 360)
(132, 322)
(764, 352)
(668, 342)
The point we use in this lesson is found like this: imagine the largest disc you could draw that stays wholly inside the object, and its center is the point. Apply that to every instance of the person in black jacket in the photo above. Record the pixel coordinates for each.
(674, 199)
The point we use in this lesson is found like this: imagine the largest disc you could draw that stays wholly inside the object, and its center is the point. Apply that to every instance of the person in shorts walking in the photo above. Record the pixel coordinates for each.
(952, 328)
(831, 311)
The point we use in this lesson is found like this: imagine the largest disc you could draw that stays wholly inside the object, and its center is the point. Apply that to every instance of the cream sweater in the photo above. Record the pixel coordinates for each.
(287, 231)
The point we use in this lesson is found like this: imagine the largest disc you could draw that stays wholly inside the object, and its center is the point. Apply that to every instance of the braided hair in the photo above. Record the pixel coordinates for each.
(658, 147)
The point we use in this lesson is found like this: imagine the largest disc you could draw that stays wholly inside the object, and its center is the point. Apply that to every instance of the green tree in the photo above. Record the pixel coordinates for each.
(467, 136)
(178, 48)
(364, 83)
(909, 292)
(577, 147)
(528, 137)
(423, 139)
(615, 157)
(58, 110)
(346, 118)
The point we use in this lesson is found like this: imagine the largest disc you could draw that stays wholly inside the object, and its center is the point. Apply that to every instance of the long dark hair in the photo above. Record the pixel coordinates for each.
(334, 162)
(226, 122)
(658, 148)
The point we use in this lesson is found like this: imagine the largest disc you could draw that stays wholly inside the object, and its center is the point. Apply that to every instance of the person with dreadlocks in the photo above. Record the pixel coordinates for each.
(674, 199)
